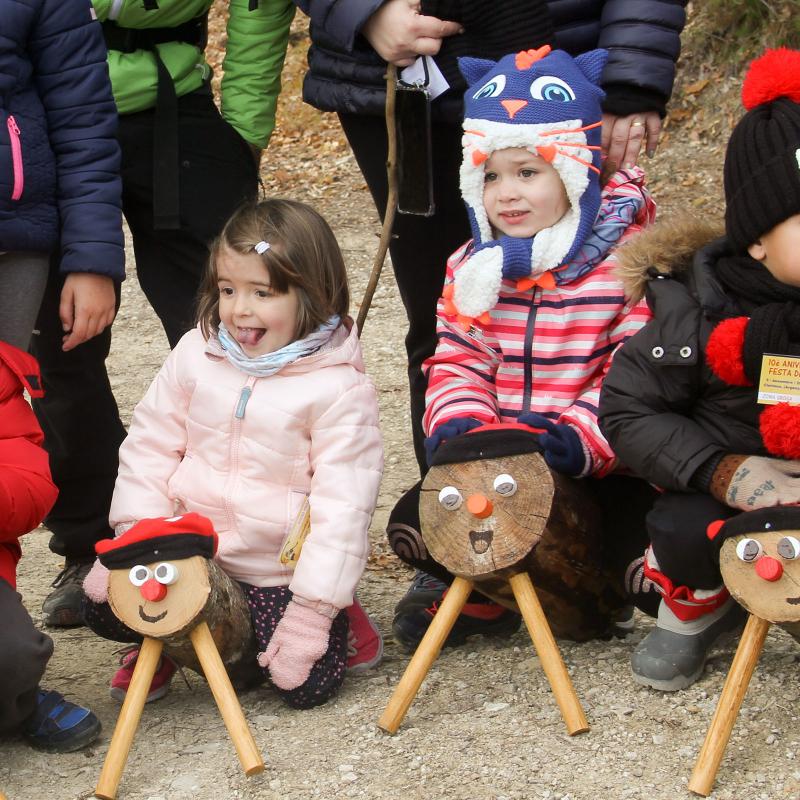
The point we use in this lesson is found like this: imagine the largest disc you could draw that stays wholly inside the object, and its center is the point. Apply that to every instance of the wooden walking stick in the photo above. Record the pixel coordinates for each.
(760, 567)
(163, 584)
(503, 522)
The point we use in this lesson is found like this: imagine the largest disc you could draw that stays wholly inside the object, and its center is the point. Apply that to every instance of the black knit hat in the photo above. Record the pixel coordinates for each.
(762, 162)
(763, 520)
(488, 441)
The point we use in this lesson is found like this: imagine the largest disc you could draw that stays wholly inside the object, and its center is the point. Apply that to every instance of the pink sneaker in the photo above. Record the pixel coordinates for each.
(159, 686)
(364, 641)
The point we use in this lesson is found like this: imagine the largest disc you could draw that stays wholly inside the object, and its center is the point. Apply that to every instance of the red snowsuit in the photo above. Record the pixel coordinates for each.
(26, 489)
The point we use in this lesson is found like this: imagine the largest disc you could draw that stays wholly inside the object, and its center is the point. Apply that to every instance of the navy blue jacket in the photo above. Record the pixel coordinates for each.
(59, 158)
(642, 36)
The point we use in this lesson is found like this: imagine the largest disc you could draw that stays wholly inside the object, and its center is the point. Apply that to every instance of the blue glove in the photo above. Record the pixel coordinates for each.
(561, 444)
(450, 429)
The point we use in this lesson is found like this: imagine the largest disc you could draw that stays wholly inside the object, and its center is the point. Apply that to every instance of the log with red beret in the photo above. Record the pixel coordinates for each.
(159, 539)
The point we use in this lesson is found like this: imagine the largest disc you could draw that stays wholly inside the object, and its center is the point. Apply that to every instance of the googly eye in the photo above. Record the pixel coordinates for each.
(491, 88)
(505, 485)
(789, 548)
(749, 549)
(166, 573)
(548, 87)
(139, 575)
(450, 498)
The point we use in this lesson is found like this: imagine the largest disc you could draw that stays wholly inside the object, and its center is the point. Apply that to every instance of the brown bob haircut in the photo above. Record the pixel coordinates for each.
(303, 253)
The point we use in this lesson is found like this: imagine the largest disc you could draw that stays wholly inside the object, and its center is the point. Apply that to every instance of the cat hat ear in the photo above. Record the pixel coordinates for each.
(548, 102)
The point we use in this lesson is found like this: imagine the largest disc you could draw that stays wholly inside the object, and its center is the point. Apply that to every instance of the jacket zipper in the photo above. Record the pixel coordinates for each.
(16, 158)
(527, 383)
(236, 435)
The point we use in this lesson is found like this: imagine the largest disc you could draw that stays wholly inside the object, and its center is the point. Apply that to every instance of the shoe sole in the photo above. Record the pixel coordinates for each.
(62, 618)
(503, 630)
(363, 666)
(69, 745)
(119, 694)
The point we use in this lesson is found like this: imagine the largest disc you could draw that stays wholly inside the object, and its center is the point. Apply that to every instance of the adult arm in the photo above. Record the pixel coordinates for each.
(254, 57)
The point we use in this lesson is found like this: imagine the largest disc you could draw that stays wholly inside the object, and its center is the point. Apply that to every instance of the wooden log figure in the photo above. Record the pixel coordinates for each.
(163, 584)
(493, 514)
(760, 565)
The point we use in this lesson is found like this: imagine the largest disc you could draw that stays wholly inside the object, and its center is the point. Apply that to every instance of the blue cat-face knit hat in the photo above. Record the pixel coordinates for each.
(549, 103)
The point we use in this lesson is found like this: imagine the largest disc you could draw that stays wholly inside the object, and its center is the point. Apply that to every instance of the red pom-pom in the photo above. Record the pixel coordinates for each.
(724, 351)
(773, 75)
(780, 430)
(714, 528)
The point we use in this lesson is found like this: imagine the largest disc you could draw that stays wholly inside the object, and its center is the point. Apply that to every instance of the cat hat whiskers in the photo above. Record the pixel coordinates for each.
(549, 103)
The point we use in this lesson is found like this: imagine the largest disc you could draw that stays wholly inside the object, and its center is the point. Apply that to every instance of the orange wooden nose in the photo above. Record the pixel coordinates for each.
(479, 506)
(513, 106)
(768, 568)
(153, 590)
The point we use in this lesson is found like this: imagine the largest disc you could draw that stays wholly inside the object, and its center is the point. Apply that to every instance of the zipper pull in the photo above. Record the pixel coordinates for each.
(242, 404)
(12, 126)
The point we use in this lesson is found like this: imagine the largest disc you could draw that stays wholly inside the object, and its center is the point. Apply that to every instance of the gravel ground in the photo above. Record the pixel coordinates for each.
(485, 725)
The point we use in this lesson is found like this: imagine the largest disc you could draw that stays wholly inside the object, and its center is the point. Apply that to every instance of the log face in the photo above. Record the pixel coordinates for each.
(776, 601)
(183, 602)
(550, 528)
(470, 546)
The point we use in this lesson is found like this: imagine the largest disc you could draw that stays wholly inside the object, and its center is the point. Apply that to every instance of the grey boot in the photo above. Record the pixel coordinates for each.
(673, 654)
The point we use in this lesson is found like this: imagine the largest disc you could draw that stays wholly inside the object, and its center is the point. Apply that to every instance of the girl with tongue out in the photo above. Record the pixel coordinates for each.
(260, 410)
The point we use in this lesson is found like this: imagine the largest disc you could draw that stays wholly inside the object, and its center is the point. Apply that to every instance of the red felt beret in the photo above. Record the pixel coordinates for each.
(159, 539)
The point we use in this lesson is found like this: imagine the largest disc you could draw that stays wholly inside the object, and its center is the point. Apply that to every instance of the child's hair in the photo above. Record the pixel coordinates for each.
(303, 253)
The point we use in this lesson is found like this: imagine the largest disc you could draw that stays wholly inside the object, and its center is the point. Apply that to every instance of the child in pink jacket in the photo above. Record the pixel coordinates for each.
(265, 405)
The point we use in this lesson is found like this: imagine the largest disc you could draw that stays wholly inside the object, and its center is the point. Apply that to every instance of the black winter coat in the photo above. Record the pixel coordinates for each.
(661, 408)
(642, 36)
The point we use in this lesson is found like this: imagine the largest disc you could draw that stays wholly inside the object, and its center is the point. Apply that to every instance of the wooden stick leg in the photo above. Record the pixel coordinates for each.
(730, 701)
(228, 703)
(425, 655)
(128, 720)
(549, 654)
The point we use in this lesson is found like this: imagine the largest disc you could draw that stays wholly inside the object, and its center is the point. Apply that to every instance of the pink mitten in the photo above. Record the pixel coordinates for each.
(95, 584)
(300, 638)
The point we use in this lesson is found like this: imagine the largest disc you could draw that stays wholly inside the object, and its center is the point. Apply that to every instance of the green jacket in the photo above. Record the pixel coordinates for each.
(254, 57)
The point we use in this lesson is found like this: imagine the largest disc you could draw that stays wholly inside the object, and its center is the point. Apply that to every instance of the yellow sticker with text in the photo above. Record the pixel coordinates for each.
(780, 380)
(290, 552)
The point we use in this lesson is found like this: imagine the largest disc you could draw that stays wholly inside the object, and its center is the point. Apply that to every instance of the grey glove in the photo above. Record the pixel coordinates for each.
(750, 482)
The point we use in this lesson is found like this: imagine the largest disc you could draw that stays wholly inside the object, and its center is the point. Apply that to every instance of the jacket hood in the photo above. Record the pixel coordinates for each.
(667, 247)
(342, 348)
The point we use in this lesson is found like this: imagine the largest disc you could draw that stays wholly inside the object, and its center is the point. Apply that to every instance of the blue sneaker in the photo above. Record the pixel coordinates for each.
(59, 726)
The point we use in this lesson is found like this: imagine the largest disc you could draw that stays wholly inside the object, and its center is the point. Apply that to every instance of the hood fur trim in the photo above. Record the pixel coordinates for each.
(667, 246)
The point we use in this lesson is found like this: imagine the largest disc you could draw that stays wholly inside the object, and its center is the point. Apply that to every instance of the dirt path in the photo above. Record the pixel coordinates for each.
(484, 726)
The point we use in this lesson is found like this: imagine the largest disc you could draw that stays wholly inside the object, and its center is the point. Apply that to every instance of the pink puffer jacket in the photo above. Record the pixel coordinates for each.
(246, 451)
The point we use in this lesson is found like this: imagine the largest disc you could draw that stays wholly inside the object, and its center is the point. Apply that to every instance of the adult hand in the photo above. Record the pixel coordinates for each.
(751, 482)
(561, 446)
(623, 137)
(87, 307)
(399, 33)
(448, 430)
(299, 640)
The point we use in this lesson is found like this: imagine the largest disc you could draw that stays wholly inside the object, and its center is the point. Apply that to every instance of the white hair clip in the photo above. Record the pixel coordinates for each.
(261, 247)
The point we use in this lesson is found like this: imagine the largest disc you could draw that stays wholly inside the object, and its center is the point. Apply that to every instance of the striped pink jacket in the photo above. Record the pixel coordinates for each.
(543, 350)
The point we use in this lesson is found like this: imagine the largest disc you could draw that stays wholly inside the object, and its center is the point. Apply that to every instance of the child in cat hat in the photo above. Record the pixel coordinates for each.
(680, 405)
(531, 312)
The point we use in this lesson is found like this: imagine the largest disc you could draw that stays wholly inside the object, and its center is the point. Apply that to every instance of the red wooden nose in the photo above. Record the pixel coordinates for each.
(153, 590)
(768, 568)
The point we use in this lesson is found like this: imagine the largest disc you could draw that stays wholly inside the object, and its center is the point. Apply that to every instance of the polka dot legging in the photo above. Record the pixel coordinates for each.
(267, 606)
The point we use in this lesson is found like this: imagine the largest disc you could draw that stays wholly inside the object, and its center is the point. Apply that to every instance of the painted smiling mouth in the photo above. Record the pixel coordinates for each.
(148, 618)
(481, 541)
(793, 601)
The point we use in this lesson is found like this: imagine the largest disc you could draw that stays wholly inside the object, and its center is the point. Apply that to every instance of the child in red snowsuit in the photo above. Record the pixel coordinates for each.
(46, 719)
